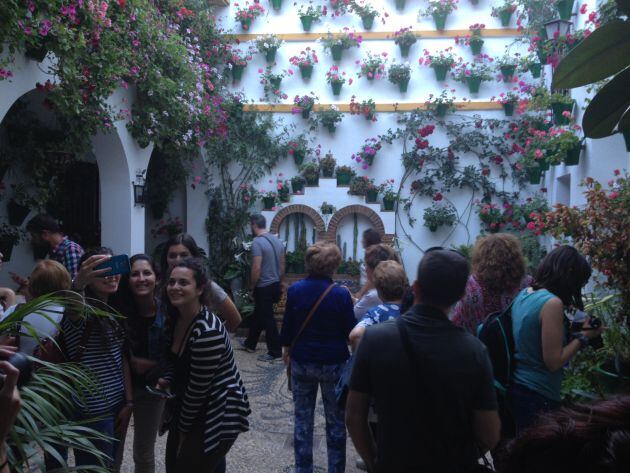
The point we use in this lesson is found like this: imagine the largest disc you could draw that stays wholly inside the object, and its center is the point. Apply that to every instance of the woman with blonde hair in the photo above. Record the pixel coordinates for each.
(498, 274)
(318, 319)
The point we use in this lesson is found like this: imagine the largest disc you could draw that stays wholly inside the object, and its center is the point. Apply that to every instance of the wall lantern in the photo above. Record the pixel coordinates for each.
(139, 188)
(558, 28)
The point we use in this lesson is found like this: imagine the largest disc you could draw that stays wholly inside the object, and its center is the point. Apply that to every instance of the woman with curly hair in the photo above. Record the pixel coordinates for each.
(498, 274)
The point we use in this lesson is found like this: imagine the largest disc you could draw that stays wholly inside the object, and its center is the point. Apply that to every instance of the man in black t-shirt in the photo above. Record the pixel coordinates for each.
(431, 382)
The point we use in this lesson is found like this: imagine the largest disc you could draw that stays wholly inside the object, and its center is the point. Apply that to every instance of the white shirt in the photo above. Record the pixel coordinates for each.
(370, 299)
(43, 323)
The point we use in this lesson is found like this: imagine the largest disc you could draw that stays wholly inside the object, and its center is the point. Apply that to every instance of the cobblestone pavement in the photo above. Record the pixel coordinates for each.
(268, 446)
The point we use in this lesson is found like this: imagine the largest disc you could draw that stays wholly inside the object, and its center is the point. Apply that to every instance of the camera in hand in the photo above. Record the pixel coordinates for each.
(22, 363)
(577, 325)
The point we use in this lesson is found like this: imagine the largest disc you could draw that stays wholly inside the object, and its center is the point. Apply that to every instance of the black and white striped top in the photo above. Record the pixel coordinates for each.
(103, 359)
(209, 385)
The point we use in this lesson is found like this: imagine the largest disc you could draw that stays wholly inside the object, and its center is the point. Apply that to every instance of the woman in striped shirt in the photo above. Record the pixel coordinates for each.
(212, 406)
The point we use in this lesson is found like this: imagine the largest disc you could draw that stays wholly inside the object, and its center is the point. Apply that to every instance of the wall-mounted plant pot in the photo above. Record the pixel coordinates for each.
(371, 195)
(508, 108)
(565, 8)
(306, 71)
(441, 109)
(440, 71)
(505, 16)
(276, 4)
(433, 228)
(475, 45)
(331, 127)
(237, 73)
(328, 173)
(268, 203)
(558, 109)
(343, 178)
(298, 188)
(508, 72)
(542, 55)
(388, 204)
(336, 87)
(337, 52)
(275, 83)
(400, 5)
(544, 164)
(369, 116)
(306, 112)
(368, 21)
(404, 49)
(284, 196)
(402, 85)
(440, 20)
(473, 84)
(572, 157)
(270, 54)
(535, 69)
(312, 181)
(6, 248)
(307, 22)
(16, 212)
(298, 157)
(246, 24)
(534, 174)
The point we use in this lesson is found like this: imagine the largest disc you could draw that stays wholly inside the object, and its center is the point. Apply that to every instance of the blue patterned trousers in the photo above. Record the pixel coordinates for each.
(306, 378)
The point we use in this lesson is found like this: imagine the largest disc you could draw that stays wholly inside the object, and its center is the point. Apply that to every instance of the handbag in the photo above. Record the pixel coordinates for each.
(304, 324)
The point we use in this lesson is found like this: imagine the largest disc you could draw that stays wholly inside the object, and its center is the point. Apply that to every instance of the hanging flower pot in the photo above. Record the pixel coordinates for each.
(535, 69)
(404, 49)
(306, 112)
(368, 21)
(276, 4)
(626, 137)
(237, 73)
(474, 2)
(402, 85)
(400, 5)
(307, 22)
(565, 8)
(275, 83)
(388, 204)
(440, 71)
(246, 23)
(6, 248)
(306, 71)
(343, 178)
(336, 87)
(440, 20)
(508, 108)
(476, 44)
(16, 212)
(558, 109)
(441, 109)
(331, 127)
(369, 116)
(298, 156)
(473, 84)
(270, 54)
(572, 157)
(337, 52)
(534, 174)
(371, 195)
(268, 203)
(507, 72)
(506, 17)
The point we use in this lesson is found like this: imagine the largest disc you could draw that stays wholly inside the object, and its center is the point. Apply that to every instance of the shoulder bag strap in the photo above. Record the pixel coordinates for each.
(310, 316)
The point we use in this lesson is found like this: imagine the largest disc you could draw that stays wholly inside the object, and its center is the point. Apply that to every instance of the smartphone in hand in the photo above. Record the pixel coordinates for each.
(159, 392)
(118, 264)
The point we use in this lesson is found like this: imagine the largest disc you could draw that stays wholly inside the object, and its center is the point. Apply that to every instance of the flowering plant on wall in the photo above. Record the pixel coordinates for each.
(309, 13)
(339, 7)
(504, 12)
(439, 10)
(299, 148)
(268, 45)
(388, 190)
(304, 104)
(359, 185)
(565, 145)
(474, 72)
(439, 215)
(509, 100)
(507, 65)
(368, 152)
(336, 79)
(405, 38)
(367, 108)
(441, 104)
(237, 61)
(329, 117)
(271, 82)
(167, 227)
(248, 13)
(440, 61)
(400, 74)
(327, 209)
(337, 44)
(365, 11)
(305, 61)
(473, 39)
(372, 67)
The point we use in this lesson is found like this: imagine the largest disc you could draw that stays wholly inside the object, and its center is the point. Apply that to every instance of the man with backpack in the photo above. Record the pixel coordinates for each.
(431, 382)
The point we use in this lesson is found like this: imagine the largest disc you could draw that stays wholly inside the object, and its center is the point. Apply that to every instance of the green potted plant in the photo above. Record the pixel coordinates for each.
(440, 62)
(491, 216)
(359, 185)
(441, 104)
(371, 191)
(507, 65)
(439, 10)
(327, 209)
(367, 108)
(336, 79)
(337, 44)
(508, 101)
(475, 40)
(368, 152)
(504, 12)
(566, 145)
(237, 61)
(309, 13)
(10, 236)
(373, 66)
(304, 104)
(473, 73)
(390, 194)
(269, 199)
(297, 184)
(268, 45)
(271, 82)
(310, 172)
(439, 215)
(329, 117)
(344, 175)
(365, 11)
(284, 191)
(276, 4)
(327, 164)
(305, 61)
(530, 63)
(400, 74)
(298, 148)
(405, 38)
(246, 14)
(562, 108)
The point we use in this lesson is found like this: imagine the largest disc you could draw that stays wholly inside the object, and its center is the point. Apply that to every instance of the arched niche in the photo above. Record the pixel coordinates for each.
(371, 215)
(320, 226)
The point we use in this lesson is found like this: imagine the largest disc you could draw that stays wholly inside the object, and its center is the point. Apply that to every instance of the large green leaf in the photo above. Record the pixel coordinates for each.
(605, 52)
(607, 107)
(624, 123)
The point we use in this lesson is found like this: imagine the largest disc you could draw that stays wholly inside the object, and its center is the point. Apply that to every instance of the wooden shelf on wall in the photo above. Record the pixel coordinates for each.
(385, 35)
(380, 107)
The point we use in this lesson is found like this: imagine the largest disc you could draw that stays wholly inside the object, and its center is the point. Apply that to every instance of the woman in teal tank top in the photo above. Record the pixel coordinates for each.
(542, 345)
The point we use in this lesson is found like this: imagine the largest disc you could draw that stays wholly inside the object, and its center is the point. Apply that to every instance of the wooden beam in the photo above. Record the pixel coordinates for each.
(380, 107)
(384, 35)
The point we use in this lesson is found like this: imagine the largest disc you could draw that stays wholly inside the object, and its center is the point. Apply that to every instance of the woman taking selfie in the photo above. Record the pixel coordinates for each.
(211, 403)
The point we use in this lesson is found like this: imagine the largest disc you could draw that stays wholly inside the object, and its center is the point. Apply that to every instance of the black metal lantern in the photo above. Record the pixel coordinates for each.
(558, 28)
(139, 189)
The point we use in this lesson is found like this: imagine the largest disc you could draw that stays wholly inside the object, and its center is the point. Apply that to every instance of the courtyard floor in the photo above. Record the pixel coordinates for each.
(268, 446)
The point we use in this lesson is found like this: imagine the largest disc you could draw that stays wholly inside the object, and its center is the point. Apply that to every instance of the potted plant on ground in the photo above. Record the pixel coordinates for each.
(305, 62)
(248, 13)
(390, 194)
(271, 82)
(337, 44)
(297, 184)
(327, 209)
(367, 108)
(439, 10)
(530, 63)
(295, 262)
(405, 38)
(310, 172)
(298, 148)
(268, 45)
(373, 66)
(440, 62)
(269, 199)
(365, 11)
(327, 164)
(329, 117)
(344, 175)
(473, 73)
(441, 104)
(284, 191)
(309, 13)
(237, 61)
(400, 74)
(507, 65)
(368, 152)
(336, 79)
(504, 12)
(304, 104)
(359, 185)
(10, 236)
(439, 215)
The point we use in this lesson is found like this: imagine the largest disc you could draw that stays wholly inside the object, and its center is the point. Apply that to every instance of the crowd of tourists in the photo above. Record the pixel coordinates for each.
(400, 366)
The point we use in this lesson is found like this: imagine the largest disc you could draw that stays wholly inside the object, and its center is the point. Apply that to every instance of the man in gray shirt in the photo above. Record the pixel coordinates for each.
(266, 277)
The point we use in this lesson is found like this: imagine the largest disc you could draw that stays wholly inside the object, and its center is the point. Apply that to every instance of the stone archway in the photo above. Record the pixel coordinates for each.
(372, 216)
(320, 226)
